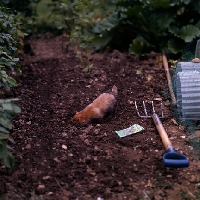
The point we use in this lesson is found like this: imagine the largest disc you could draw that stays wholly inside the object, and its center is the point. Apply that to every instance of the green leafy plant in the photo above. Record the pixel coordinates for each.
(8, 110)
(82, 49)
(78, 17)
(72, 17)
(150, 25)
(83, 14)
(70, 10)
(159, 176)
(10, 40)
(46, 17)
(21, 6)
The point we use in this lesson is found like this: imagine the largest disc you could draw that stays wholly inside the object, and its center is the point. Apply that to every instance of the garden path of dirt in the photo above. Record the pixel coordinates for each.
(59, 159)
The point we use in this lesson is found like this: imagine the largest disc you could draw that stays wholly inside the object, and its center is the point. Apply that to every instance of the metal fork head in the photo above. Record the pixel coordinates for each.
(146, 115)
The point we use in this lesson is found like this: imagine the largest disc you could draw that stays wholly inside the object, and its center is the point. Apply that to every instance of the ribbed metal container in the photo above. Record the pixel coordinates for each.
(188, 91)
(187, 66)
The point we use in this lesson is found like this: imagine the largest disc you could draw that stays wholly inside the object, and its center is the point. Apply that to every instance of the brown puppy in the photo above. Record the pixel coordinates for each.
(101, 107)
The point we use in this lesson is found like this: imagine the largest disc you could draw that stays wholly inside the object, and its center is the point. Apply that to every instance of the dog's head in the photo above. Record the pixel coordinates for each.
(79, 117)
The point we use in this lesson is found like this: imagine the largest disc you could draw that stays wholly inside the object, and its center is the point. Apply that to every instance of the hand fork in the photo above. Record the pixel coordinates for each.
(171, 158)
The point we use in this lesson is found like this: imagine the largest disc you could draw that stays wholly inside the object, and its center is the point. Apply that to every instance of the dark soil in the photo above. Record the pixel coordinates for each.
(59, 159)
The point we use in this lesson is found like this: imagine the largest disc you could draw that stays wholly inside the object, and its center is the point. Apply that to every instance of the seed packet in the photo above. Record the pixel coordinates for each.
(135, 128)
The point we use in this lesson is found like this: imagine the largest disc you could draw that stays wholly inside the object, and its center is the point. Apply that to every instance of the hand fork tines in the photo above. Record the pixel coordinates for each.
(145, 110)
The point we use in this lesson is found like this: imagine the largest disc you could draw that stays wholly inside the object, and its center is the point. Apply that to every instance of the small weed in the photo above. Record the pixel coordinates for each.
(82, 49)
(184, 195)
(159, 177)
(167, 186)
(198, 193)
(113, 167)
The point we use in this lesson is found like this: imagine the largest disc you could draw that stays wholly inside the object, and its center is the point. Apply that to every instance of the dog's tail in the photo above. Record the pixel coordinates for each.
(114, 91)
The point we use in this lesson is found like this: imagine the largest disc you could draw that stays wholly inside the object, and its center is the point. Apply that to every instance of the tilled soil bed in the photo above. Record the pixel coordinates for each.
(59, 159)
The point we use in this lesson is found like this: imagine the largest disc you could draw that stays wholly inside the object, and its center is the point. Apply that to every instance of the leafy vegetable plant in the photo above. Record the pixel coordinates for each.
(8, 110)
(150, 25)
(10, 40)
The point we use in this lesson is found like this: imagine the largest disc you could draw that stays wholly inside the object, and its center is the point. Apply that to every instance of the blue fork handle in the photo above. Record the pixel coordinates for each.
(174, 159)
(171, 158)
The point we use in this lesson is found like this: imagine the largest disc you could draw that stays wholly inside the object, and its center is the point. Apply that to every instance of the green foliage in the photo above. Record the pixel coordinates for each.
(70, 11)
(8, 110)
(45, 17)
(82, 49)
(10, 40)
(84, 13)
(152, 25)
(22, 6)
(78, 17)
